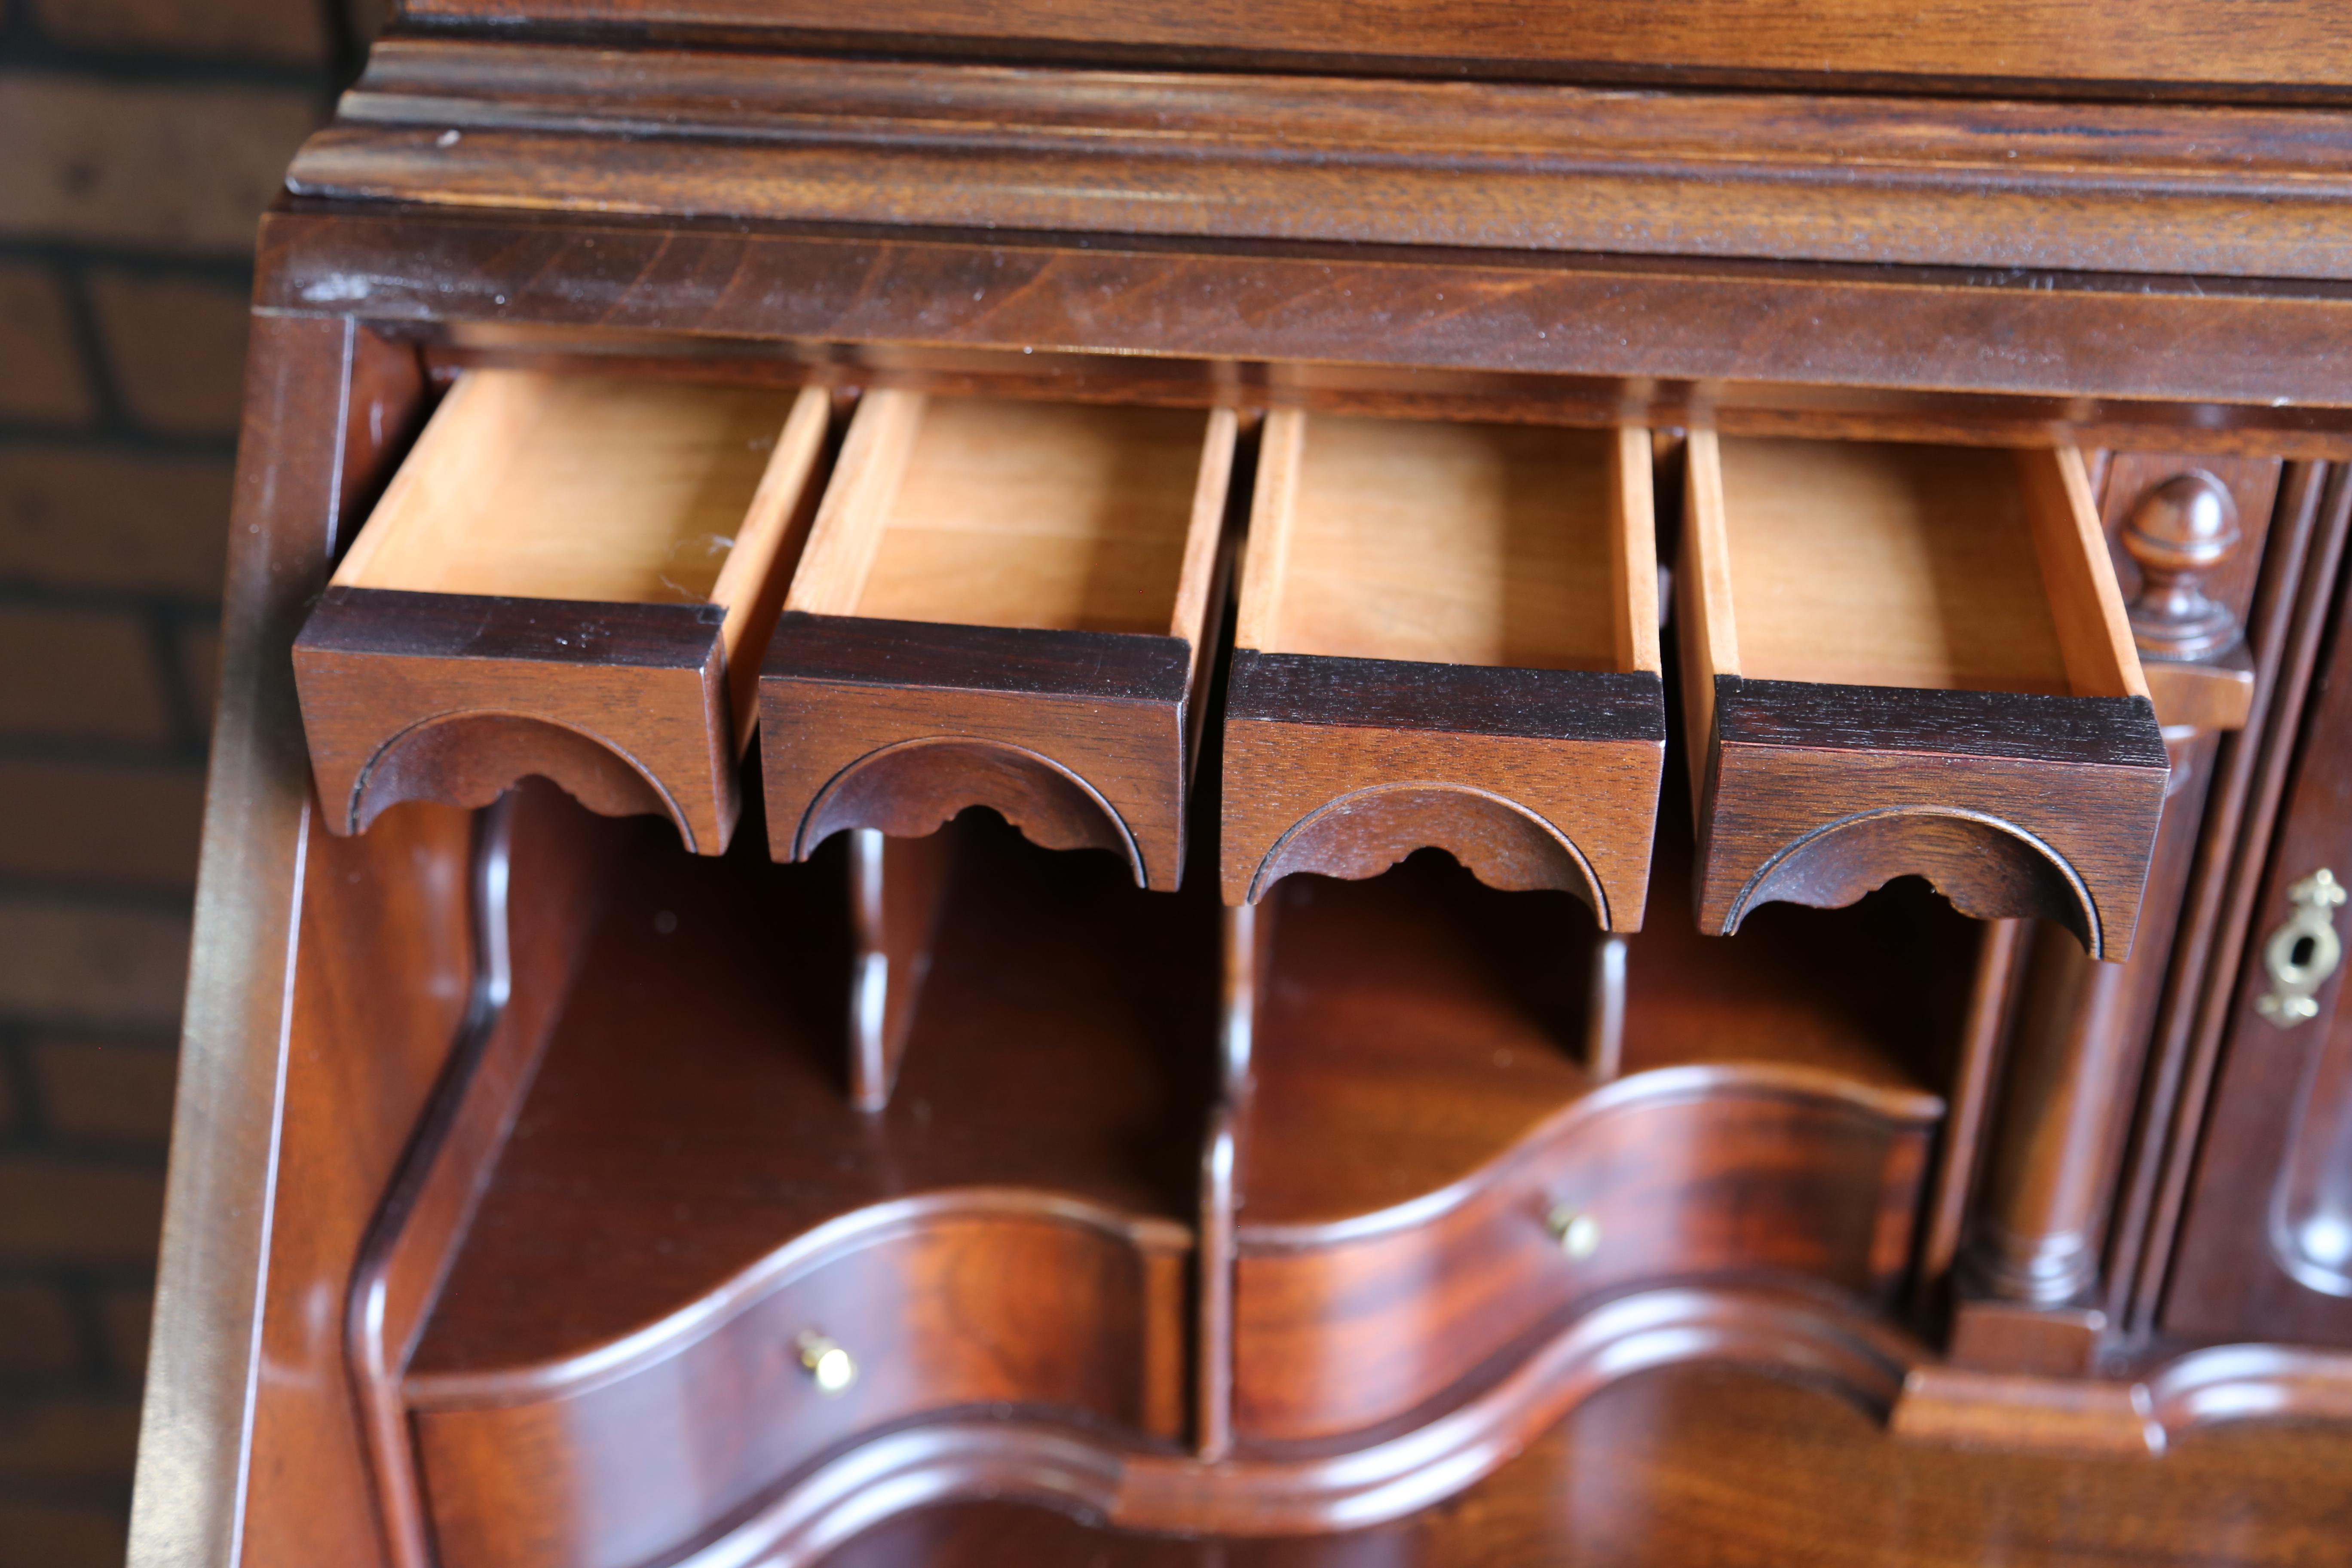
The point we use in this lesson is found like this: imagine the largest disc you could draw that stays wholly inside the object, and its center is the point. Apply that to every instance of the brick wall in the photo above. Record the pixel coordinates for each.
(139, 141)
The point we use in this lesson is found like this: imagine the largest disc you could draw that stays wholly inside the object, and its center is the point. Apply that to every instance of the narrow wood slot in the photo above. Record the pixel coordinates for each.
(1941, 627)
(1481, 598)
(619, 531)
(1422, 1111)
(1035, 578)
(1012, 1234)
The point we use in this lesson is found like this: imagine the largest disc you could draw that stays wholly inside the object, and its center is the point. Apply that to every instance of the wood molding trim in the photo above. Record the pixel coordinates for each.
(2230, 192)
(1647, 341)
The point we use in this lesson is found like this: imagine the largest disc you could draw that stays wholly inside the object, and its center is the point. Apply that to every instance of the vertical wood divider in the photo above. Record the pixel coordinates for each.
(1273, 504)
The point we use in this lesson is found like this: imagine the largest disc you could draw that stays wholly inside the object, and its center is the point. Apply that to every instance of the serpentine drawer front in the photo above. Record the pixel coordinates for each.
(639, 1448)
(1912, 659)
(1008, 605)
(1682, 1174)
(573, 576)
(1448, 637)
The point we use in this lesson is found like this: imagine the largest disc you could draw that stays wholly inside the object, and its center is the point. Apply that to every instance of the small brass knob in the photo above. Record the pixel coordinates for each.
(1579, 1233)
(832, 1368)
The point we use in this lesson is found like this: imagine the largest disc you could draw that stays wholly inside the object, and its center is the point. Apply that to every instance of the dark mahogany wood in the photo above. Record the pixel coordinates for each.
(2096, 50)
(537, 867)
(455, 697)
(2297, 608)
(2080, 188)
(2010, 803)
(1311, 1243)
(1078, 738)
(1532, 778)
(326, 406)
(1419, 1114)
(1012, 1230)
(1877, 353)
(2256, 1255)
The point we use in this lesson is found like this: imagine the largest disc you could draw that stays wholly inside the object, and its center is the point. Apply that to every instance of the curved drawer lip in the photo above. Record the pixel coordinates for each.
(586, 1371)
(1660, 1085)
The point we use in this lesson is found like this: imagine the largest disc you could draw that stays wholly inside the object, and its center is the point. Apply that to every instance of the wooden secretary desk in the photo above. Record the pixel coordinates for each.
(1183, 761)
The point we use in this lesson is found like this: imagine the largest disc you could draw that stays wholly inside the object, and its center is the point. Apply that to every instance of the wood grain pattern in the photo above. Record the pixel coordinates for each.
(1003, 604)
(2115, 187)
(1011, 1230)
(455, 697)
(1907, 692)
(1419, 1118)
(326, 404)
(1707, 1467)
(2030, 42)
(569, 576)
(2123, 360)
(1440, 642)
(1293, 1496)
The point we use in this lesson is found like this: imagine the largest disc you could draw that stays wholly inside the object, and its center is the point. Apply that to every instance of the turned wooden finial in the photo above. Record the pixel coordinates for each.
(2178, 532)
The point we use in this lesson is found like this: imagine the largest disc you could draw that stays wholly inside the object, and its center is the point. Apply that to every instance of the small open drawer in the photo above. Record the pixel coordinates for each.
(1002, 603)
(1448, 637)
(1912, 659)
(569, 576)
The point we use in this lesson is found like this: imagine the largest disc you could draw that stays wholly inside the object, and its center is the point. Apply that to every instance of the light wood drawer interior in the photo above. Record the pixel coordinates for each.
(1475, 544)
(599, 561)
(1002, 603)
(1448, 636)
(1940, 627)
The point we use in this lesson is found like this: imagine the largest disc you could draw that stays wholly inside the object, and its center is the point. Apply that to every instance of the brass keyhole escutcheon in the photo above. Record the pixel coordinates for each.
(830, 1367)
(2303, 953)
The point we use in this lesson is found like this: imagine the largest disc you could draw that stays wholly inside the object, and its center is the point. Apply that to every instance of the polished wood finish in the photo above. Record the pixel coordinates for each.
(1011, 1230)
(1419, 1112)
(1888, 353)
(1003, 605)
(1447, 637)
(2011, 42)
(2257, 1252)
(1876, 683)
(570, 578)
(978, 1175)
(326, 404)
(1712, 1467)
(2147, 188)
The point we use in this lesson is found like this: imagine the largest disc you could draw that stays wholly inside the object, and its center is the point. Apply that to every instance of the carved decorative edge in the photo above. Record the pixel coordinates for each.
(1359, 831)
(357, 638)
(1240, 1495)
